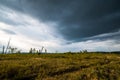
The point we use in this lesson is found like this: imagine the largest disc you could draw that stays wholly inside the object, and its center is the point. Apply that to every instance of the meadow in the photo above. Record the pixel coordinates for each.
(65, 66)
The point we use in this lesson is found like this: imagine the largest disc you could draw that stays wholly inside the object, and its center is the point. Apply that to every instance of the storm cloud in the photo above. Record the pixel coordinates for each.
(78, 19)
(74, 20)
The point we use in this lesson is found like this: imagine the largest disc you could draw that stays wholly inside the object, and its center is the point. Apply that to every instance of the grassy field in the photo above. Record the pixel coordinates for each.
(79, 66)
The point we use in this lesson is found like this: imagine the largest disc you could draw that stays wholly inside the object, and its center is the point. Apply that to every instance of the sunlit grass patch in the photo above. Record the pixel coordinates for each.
(87, 66)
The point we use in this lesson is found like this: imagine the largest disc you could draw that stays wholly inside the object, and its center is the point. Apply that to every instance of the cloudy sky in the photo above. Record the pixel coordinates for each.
(61, 25)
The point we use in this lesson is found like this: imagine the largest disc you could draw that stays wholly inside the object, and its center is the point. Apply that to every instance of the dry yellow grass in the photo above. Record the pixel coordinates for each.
(87, 66)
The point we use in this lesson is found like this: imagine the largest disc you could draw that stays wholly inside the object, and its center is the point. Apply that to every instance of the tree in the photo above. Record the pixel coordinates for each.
(85, 51)
(45, 50)
(31, 50)
(19, 51)
(3, 50)
(12, 49)
(34, 50)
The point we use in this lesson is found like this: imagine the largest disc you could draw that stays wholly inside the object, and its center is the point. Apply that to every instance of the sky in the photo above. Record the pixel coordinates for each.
(61, 25)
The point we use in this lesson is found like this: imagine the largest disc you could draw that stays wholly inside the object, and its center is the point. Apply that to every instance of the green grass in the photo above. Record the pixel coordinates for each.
(86, 66)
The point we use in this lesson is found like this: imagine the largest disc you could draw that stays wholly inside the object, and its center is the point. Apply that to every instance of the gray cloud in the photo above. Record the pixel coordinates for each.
(76, 19)
(8, 21)
(14, 4)
(108, 36)
(8, 31)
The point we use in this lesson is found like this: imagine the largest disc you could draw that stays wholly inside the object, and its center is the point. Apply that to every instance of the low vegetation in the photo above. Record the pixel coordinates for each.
(67, 66)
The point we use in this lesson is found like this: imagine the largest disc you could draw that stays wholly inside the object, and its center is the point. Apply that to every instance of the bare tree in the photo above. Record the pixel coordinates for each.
(7, 45)
(31, 50)
(3, 51)
(45, 50)
(12, 50)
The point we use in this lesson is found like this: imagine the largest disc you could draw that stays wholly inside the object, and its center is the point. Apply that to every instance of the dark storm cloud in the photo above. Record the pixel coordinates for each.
(14, 4)
(77, 19)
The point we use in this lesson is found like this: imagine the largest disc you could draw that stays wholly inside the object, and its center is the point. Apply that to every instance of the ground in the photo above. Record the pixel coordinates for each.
(67, 66)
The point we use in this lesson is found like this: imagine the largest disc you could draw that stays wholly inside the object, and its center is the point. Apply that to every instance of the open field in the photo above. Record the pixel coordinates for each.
(79, 66)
